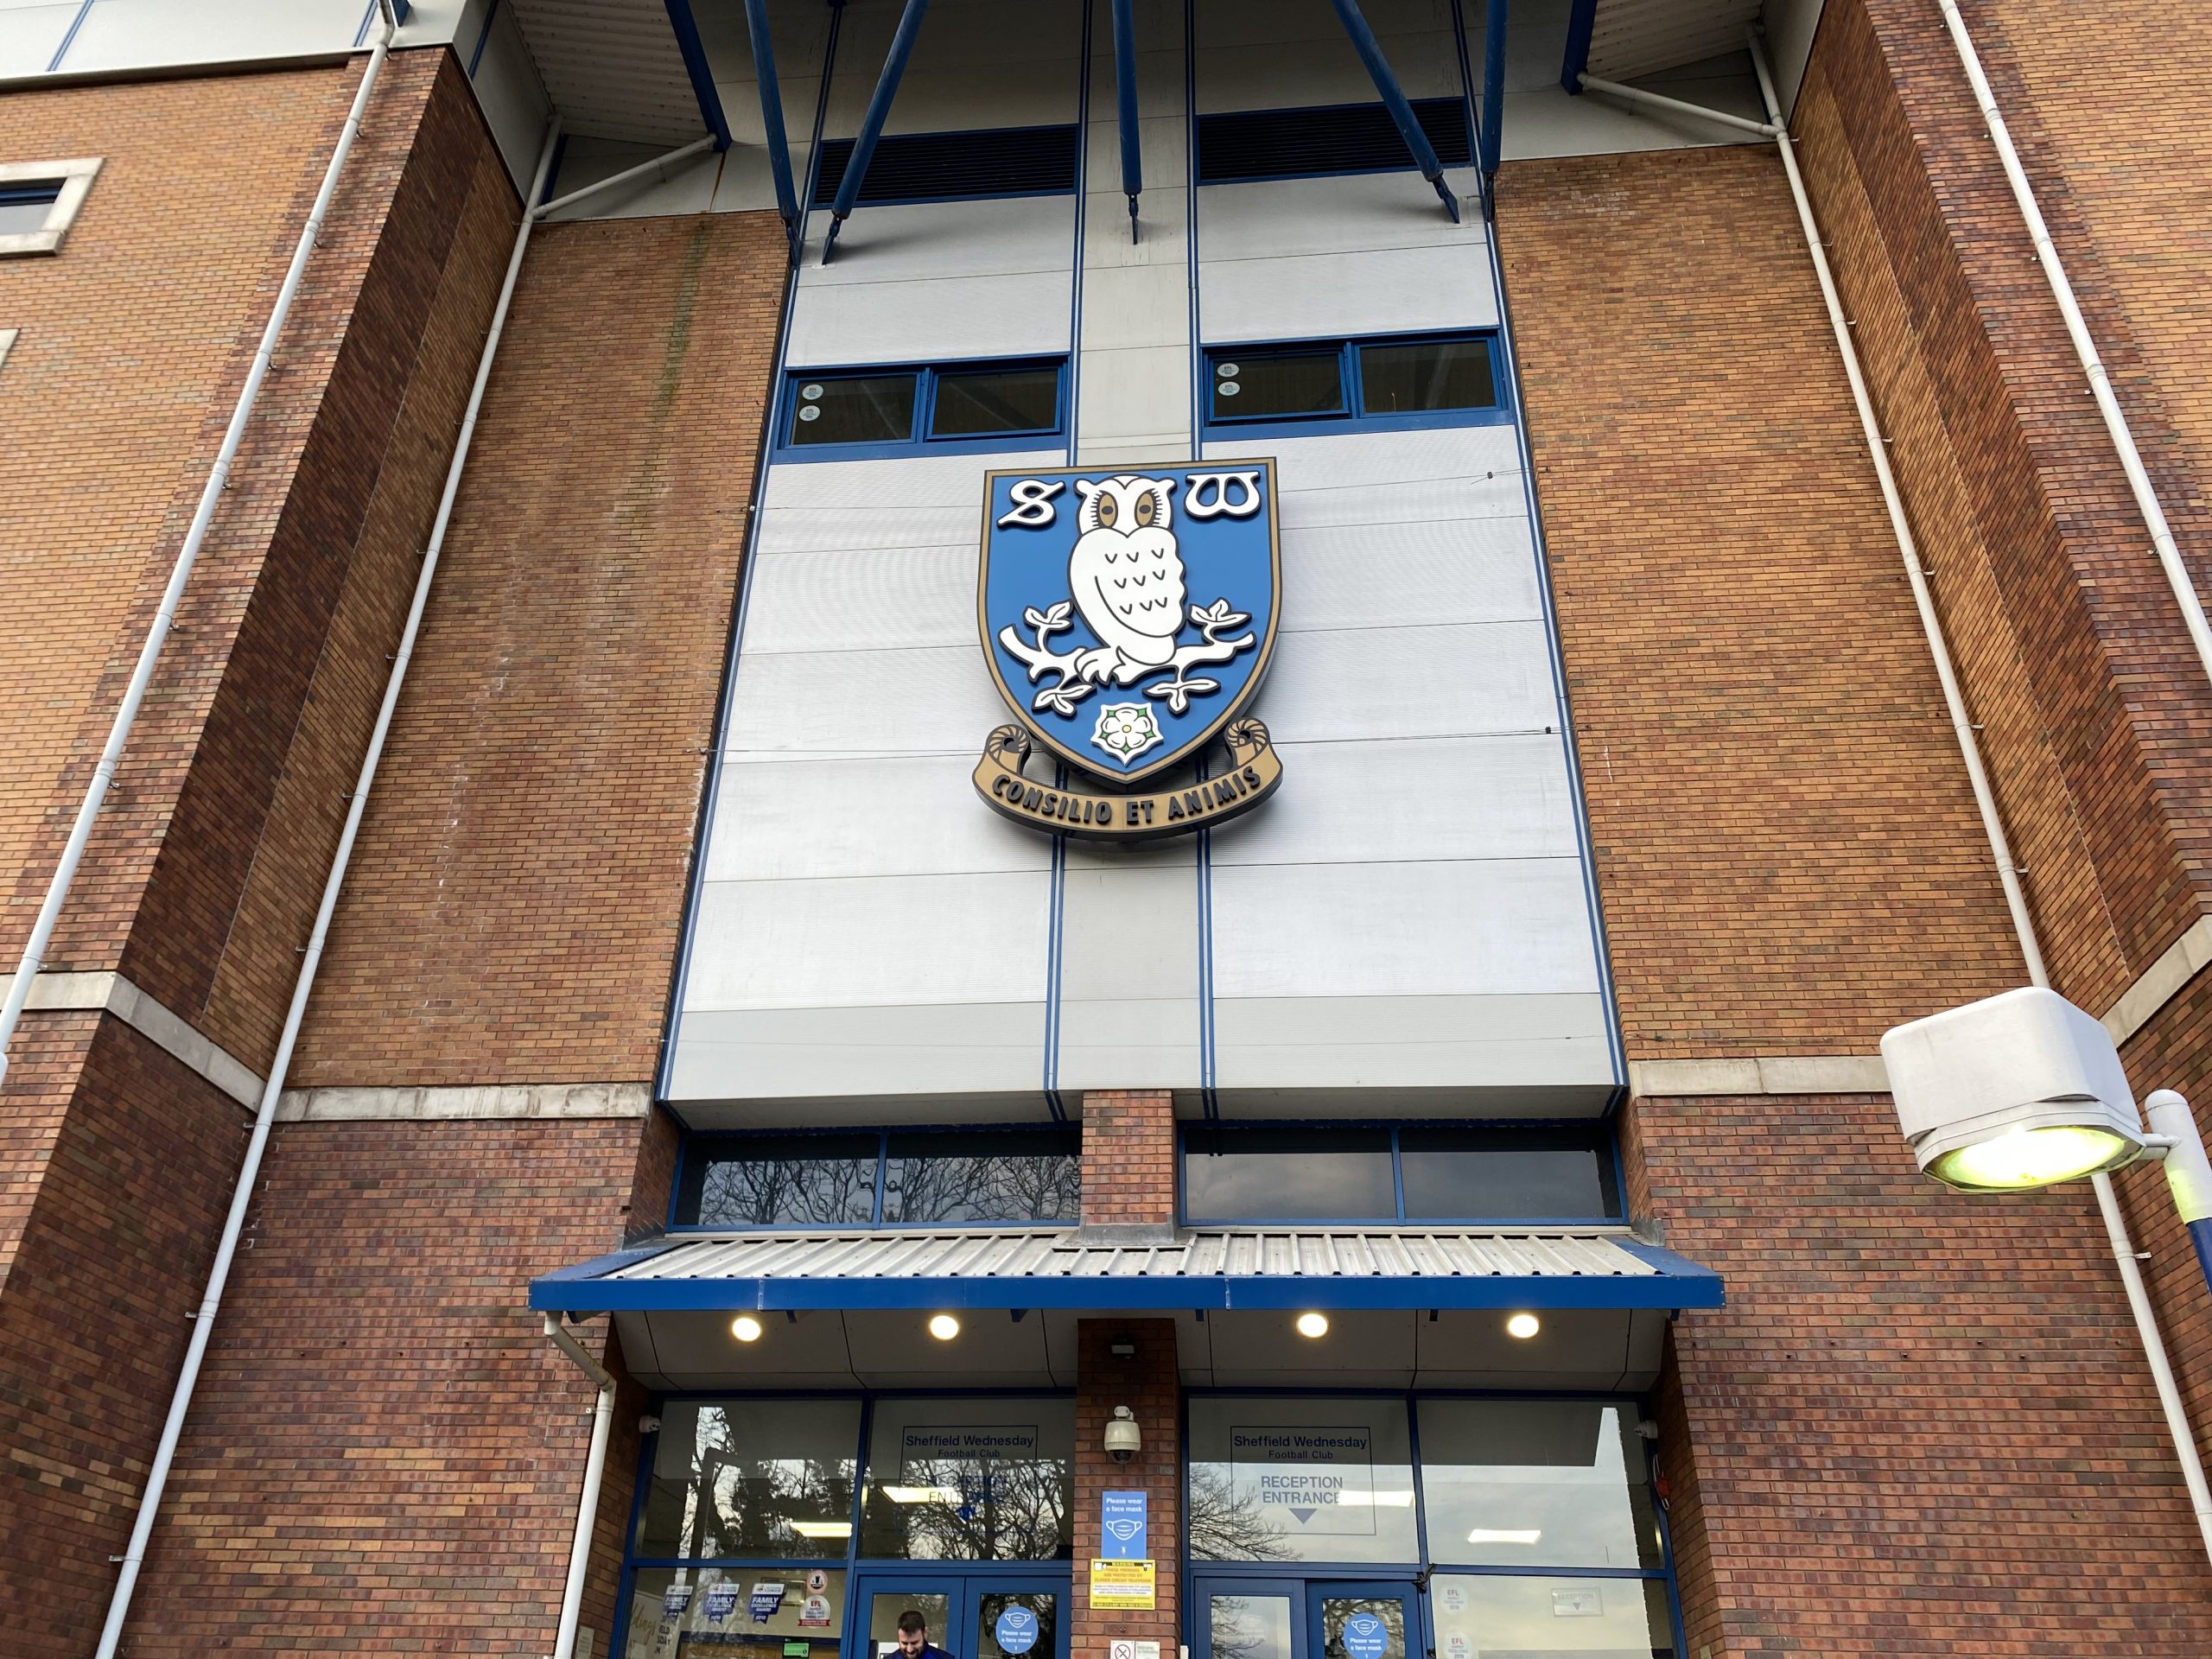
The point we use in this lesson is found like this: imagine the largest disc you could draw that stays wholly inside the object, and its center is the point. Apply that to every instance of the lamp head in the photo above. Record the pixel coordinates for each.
(2021, 1090)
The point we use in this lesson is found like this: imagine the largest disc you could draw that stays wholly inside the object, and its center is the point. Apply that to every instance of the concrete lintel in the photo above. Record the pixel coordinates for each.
(473, 1100)
(111, 993)
(2160, 982)
(1764, 1074)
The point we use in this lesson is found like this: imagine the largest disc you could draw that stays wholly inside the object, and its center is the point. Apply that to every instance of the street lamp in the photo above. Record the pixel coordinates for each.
(2024, 1090)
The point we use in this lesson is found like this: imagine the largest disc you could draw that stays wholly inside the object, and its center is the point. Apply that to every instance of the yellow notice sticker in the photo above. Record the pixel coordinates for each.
(1125, 1586)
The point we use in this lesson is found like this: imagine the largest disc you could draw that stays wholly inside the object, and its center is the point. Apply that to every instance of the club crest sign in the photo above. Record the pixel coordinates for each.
(1127, 615)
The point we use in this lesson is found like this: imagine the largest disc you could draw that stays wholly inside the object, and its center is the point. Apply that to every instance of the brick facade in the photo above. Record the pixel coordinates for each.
(1128, 1157)
(1147, 1384)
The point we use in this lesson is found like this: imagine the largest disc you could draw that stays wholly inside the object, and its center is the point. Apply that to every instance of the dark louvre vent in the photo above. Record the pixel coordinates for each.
(947, 166)
(1335, 139)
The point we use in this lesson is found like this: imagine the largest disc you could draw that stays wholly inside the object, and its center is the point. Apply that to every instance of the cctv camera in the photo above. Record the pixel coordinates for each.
(1122, 1438)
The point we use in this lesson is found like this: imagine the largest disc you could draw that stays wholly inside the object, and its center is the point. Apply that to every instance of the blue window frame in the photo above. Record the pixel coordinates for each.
(1365, 383)
(1459, 1174)
(1016, 1176)
(978, 406)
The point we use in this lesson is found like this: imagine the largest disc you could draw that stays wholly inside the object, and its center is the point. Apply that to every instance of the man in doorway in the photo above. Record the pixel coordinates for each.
(914, 1637)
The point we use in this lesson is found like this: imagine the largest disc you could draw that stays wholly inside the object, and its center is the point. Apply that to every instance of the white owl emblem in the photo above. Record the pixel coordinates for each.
(1125, 574)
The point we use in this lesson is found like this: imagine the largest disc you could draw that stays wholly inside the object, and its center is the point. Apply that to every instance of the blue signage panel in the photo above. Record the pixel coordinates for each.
(1122, 1527)
(1366, 1636)
(1017, 1629)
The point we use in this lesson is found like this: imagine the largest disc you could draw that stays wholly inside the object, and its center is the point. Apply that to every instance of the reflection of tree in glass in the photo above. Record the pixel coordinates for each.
(1240, 1630)
(1046, 1640)
(1226, 1528)
(745, 1505)
(993, 1510)
(1003, 1188)
(798, 1192)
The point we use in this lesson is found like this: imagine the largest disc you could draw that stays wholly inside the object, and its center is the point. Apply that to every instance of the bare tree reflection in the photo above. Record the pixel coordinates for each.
(1226, 1528)
(740, 1504)
(978, 1510)
(787, 1191)
(1018, 1187)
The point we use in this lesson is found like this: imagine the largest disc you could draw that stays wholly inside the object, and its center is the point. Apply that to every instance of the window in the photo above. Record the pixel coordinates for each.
(752, 1478)
(1444, 379)
(1537, 1483)
(970, 1480)
(904, 1177)
(39, 202)
(977, 405)
(1247, 144)
(1410, 1173)
(955, 166)
(1256, 1460)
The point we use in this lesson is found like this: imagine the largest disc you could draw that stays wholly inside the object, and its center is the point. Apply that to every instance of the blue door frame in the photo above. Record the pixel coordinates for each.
(964, 1585)
(1302, 1597)
(1414, 1615)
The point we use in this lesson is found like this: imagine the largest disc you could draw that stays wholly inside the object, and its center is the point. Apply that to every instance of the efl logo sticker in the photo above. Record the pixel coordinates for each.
(1128, 617)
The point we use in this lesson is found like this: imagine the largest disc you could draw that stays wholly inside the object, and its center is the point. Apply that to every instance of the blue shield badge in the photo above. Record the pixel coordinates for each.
(1128, 613)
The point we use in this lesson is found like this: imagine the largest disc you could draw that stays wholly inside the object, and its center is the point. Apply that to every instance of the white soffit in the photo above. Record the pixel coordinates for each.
(1633, 38)
(612, 69)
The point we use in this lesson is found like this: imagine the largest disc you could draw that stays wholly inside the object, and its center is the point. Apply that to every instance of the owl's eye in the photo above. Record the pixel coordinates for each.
(1148, 508)
(1109, 509)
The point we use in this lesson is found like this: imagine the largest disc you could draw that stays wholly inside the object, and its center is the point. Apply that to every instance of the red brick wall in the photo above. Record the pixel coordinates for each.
(519, 882)
(1149, 1384)
(1787, 852)
(1128, 1157)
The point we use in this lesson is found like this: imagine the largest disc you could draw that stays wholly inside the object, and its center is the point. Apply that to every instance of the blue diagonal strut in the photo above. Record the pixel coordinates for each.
(1394, 98)
(772, 111)
(693, 52)
(879, 110)
(1493, 133)
(1125, 87)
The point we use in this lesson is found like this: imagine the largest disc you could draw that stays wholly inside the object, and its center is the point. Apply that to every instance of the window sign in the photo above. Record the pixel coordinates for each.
(970, 1479)
(1017, 1629)
(1301, 1479)
(1121, 1531)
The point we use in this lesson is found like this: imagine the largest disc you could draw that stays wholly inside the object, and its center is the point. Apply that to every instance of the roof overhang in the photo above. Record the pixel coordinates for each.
(1196, 1271)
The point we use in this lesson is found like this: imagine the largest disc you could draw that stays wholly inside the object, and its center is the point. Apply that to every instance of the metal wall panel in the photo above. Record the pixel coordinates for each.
(1262, 55)
(904, 815)
(143, 33)
(902, 1063)
(508, 90)
(684, 187)
(976, 63)
(30, 35)
(863, 599)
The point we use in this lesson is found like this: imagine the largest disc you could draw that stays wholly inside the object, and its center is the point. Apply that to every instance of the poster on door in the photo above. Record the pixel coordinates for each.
(1316, 1481)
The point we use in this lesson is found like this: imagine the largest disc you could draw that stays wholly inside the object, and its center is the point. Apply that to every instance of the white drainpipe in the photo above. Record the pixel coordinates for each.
(2077, 330)
(602, 1417)
(203, 1325)
(2123, 1249)
(149, 653)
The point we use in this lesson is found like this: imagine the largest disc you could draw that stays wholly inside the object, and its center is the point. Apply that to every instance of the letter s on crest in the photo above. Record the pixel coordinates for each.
(1033, 503)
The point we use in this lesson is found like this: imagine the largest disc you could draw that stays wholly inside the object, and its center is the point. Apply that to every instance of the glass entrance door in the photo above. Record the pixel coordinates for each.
(1365, 1621)
(988, 1613)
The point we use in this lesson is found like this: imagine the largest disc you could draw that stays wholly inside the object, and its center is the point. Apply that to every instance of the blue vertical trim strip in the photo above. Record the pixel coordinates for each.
(879, 110)
(1055, 933)
(1125, 90)
(1580, 22)
(483, 38)
(2200, 1234)
(771, 112)
(1394, 98)
(69, 39)
(1209, 1100)
(733, 655)
(1493, 133)
(695, 66)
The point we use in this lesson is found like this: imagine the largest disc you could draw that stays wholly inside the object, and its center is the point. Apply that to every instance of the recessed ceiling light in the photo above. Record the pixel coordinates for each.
(822, 1529)
(1313, 1325)
(1504, 1535)
(745, 1328)
(943, 1326)
(1523, 1325)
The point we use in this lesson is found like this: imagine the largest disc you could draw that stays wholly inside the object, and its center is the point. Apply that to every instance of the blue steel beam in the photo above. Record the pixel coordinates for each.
(1493, 135)
(771, 112)
(694, 65)
(879, 110)
(1394, 99)
(1580, 22)
(1125, 87)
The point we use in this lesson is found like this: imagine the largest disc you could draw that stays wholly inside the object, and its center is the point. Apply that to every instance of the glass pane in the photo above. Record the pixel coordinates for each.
(878, 408)
(752, 1612)
(999, 1175)
(807, 1180)
(753, 1478)
(1485, 1617)
(1249, 1627)
(1536, 1483)
(1313, 1478)
(885, 1610)
(1287, 1174)
(1441, 374)
(1252, 388)
(1000, 400)
(1375, 1625)
(1016, 1625)
(1504, 1175)
(23, 207)
(969, 1479)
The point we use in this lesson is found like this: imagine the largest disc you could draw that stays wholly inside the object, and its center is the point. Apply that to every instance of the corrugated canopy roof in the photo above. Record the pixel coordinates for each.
(1630, 39)
(1201, 1268)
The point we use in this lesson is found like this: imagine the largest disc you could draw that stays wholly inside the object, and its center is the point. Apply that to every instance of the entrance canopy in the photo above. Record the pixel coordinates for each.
(1195, 1270)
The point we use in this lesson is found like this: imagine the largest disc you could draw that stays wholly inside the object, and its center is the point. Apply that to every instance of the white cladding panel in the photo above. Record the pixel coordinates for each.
(1407, 925)
(29, 36)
